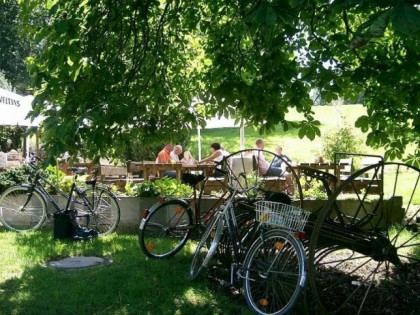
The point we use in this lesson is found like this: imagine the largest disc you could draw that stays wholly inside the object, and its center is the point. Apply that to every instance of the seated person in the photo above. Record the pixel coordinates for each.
(188, 158)
(275, 168)
(264, 167)
(217, 155)
(176, 155)
(279, 161)
(280, 158)
(164, 156)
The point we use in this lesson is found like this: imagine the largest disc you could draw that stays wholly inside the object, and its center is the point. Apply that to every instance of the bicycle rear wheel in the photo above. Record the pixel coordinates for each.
(274, 272)
(166, 229)
(207, 246)
(102, 214)
(22, 209)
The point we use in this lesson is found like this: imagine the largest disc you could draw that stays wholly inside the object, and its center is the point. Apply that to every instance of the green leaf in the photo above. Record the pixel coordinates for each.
(377, 28)
(295, 3)
(405, 19)
(76, 73)
(62, 26)
(302, 132)
(51, 3)
(43, 33)
(362, 123)
(413, 159)
(266, 15)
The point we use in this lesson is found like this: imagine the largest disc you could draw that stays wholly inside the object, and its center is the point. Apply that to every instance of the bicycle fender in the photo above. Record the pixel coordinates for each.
(157, 205)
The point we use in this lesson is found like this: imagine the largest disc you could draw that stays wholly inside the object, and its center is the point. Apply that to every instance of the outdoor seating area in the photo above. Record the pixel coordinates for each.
(10, 159)
(209, 157)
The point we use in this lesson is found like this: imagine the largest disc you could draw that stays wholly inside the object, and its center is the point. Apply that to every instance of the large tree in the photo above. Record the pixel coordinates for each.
(14, 47)
(112, 70)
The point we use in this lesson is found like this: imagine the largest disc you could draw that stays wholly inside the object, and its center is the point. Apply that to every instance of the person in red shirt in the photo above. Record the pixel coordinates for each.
(164, 156)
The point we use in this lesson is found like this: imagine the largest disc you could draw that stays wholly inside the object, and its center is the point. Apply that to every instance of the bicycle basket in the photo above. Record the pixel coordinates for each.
(280, 214)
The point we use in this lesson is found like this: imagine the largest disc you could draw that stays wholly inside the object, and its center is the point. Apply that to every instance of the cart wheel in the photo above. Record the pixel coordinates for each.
(365, 243)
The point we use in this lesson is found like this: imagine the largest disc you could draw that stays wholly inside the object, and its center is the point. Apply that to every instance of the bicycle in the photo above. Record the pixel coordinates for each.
(169, 224)
(274, 267)
(166, 227)
(23, 208)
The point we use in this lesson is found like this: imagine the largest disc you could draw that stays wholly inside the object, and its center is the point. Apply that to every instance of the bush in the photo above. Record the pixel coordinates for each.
(165, 187)
(340, 140)
(14, 176)
(313, 189)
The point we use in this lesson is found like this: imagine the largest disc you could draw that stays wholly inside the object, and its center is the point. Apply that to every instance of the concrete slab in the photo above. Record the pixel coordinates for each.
(79, 262)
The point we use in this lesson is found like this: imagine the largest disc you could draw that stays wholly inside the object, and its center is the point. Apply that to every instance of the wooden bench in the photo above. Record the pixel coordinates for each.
(346, 169)
(272, 183)
(371, 181)
(110, 172)
(135, 171)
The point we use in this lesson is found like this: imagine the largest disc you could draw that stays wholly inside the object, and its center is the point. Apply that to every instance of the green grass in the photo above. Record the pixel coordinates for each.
(131, 284)
(299, 150)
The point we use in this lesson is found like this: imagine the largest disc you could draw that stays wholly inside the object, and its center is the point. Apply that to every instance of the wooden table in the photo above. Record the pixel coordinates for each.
(149, 168)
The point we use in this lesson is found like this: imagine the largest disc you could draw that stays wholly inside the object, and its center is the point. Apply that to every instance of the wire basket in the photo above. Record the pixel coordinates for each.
(280, 214)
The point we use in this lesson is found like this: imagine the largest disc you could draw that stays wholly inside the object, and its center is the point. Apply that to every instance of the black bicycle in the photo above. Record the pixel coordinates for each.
(24, 207)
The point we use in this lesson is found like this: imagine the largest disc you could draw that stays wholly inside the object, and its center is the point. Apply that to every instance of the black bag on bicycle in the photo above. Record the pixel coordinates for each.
(278, 196)
(63, 225)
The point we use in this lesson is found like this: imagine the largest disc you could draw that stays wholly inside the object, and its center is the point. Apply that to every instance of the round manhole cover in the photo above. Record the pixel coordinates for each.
(79, 262)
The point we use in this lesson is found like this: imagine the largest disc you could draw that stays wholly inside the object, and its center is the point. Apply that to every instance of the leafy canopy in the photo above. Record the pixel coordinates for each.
(151, 70)
(14, 47)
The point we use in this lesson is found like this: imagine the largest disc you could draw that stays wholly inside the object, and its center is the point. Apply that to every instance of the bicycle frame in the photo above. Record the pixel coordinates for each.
(39, 182)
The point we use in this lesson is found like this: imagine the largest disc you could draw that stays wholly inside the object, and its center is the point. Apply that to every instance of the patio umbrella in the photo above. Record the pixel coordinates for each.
(14, 108)
(13, 111)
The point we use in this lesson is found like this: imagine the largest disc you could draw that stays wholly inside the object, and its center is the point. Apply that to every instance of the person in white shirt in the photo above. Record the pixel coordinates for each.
(176, 153)
(265, 168)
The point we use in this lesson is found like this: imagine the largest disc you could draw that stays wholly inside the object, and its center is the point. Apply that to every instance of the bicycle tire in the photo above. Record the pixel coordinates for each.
(274, 272)
(103, 212)
(166, 229)
(18, 219)
(207, 246)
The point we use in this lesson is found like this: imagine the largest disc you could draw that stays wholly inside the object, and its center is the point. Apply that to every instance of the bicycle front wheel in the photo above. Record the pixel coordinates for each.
(101, 212)
(274, 272)
(207, 246)
(166, 229)
(22, 209)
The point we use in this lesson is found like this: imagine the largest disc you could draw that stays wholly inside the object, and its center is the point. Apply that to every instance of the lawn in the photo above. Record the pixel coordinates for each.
(131, 284)
(299, 150)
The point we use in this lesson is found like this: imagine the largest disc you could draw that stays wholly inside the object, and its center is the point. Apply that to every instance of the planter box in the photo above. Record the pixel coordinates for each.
(132, 210)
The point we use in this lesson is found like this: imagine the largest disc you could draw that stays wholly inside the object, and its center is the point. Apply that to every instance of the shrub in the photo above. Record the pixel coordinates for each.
(340, 140)
(313, 189)
(14, 176)
(165, 187)
(59, 179)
